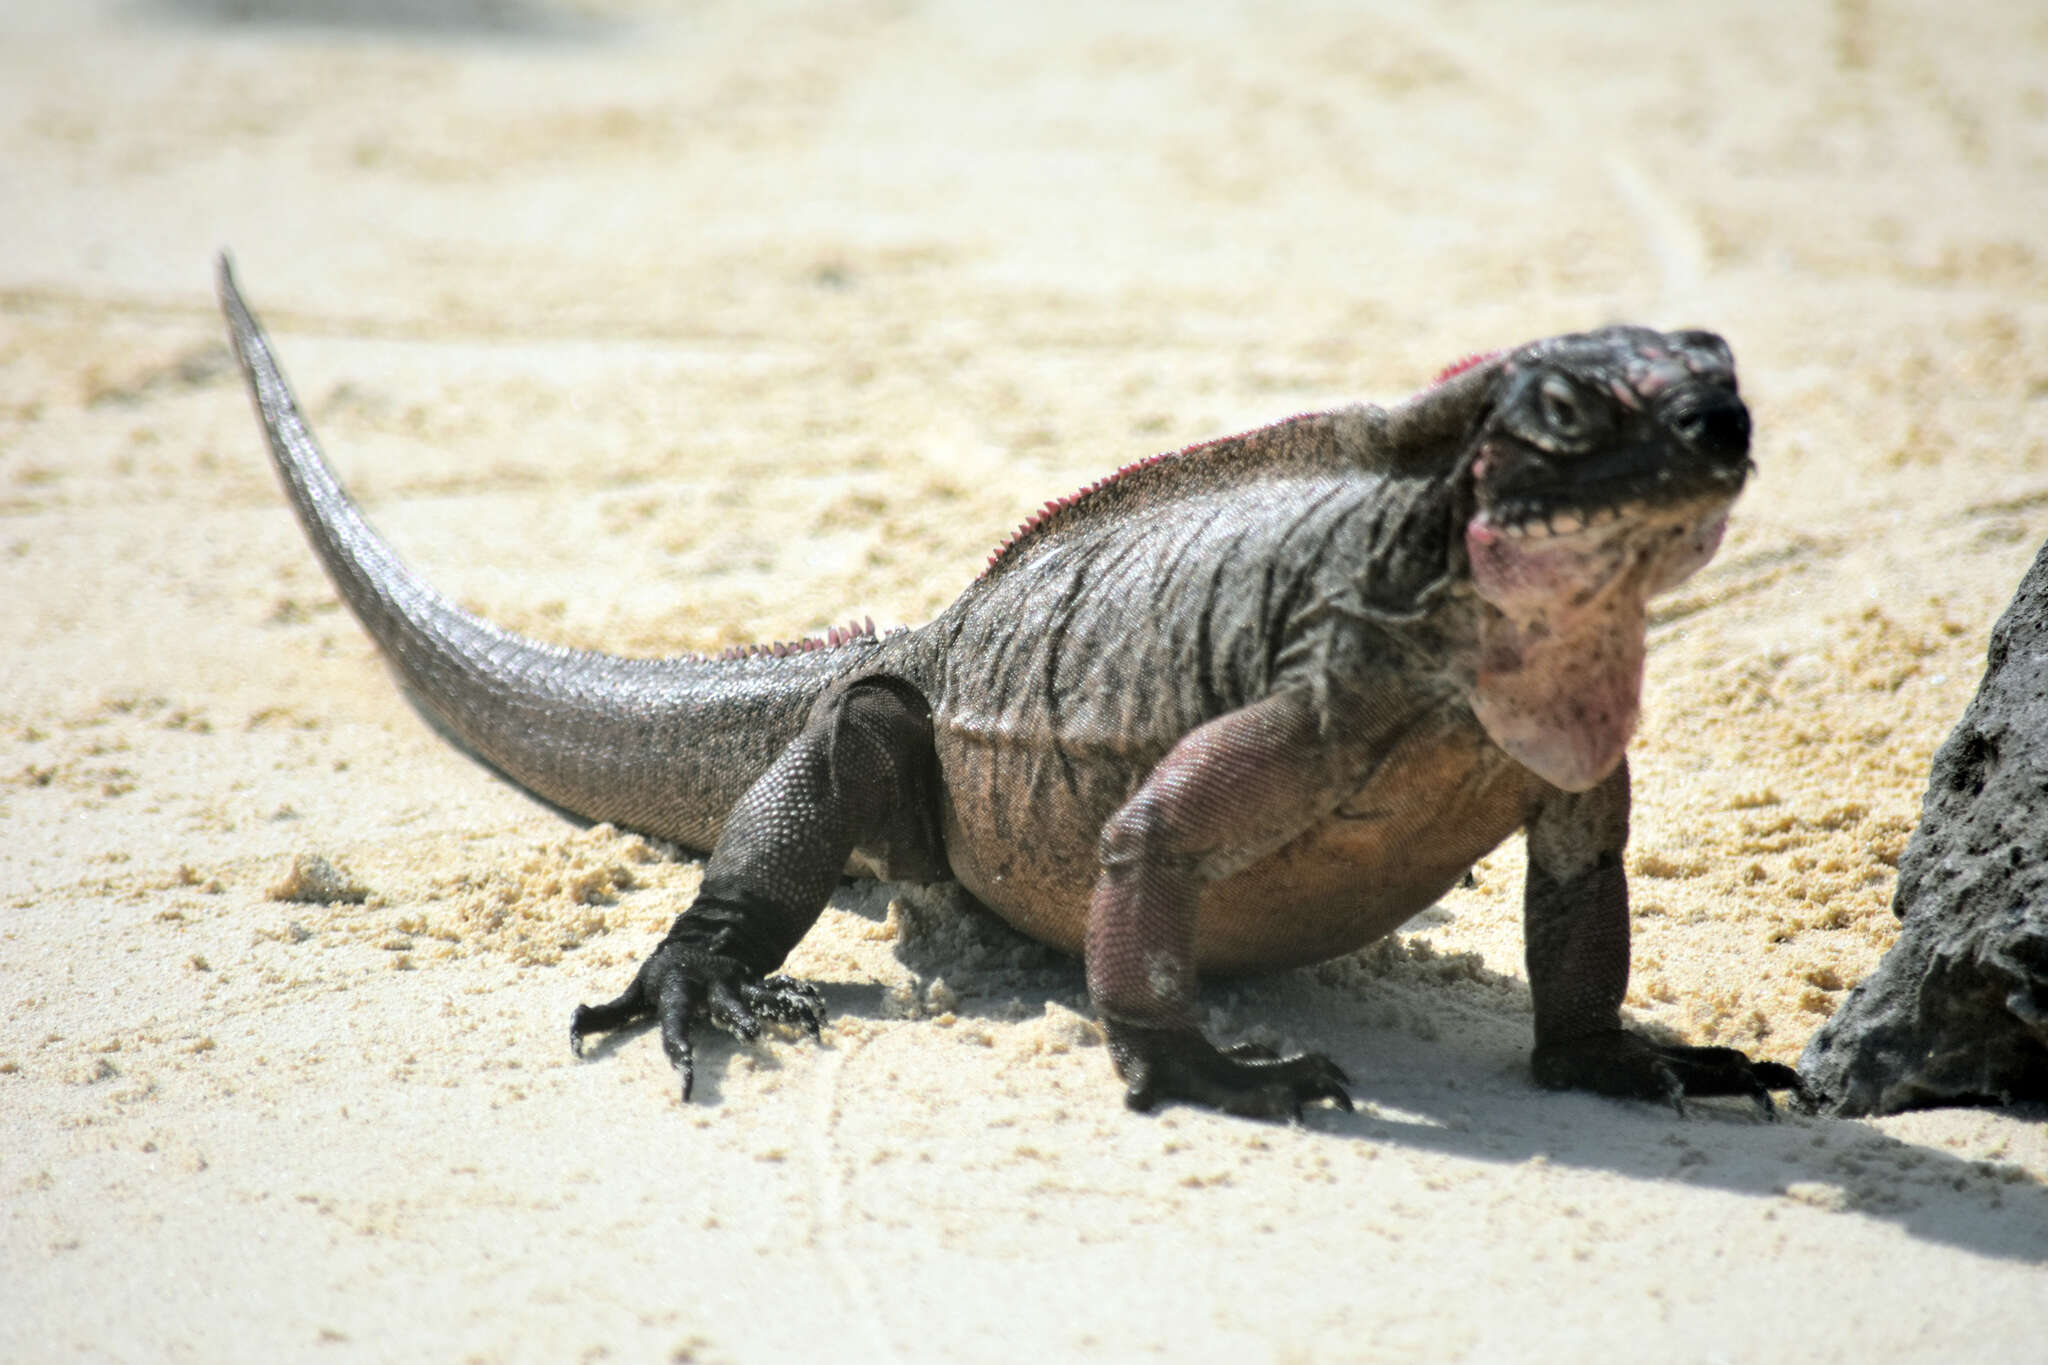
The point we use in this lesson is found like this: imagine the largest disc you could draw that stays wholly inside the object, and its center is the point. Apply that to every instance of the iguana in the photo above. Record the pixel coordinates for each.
(1248, 705)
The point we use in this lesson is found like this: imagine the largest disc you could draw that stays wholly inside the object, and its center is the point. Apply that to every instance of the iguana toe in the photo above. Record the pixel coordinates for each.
(1628, 1066)
(1248, 1080)
(678, 985)
(787, 1000)
(613, 1014)
(673, 1005)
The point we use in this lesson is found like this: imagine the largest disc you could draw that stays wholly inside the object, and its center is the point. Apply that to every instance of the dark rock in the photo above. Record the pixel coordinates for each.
(1958, 1010)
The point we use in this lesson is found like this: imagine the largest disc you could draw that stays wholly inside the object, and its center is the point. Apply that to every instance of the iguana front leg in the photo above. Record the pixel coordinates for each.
(1228, 791)
(859, 775)
(1576, 933)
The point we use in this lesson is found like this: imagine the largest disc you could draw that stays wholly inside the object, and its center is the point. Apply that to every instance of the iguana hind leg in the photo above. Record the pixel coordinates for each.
(861, 775)
(1229, 790)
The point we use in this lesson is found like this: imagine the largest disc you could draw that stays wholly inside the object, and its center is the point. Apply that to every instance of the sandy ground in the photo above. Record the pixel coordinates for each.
(665, 326)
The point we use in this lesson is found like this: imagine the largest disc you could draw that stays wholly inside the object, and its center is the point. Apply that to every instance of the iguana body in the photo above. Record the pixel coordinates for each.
(1251, 705)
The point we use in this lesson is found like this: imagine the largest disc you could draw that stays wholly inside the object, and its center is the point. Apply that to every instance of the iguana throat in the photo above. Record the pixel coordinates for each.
(1560, 674)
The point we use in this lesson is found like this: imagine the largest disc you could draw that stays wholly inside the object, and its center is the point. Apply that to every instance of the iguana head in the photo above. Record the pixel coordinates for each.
(1601, 475)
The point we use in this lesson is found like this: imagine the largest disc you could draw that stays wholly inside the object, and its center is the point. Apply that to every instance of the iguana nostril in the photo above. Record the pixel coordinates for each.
(1718, 428)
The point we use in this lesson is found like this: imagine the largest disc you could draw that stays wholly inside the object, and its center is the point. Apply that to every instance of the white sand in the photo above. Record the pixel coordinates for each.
(686, 324)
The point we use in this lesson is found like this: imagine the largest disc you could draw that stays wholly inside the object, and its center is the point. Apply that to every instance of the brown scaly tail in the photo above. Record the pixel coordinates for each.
(662, 746)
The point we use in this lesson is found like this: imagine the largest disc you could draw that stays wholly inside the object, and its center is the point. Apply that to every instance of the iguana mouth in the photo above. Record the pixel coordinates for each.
(1589, 504)
(1544, 566)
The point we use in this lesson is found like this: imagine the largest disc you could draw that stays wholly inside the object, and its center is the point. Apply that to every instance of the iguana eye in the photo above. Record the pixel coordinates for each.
(1558, 403)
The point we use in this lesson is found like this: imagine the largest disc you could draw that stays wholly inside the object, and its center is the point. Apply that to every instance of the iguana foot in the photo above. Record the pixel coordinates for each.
(1180, 1064)
(678, 985)
(1624, 1064)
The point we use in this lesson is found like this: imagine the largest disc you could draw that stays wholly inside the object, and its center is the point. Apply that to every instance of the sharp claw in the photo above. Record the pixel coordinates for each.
(1332, 1085)
(682, 1057)
(673, 1006)
(1674, 1089)
(1138, 1094)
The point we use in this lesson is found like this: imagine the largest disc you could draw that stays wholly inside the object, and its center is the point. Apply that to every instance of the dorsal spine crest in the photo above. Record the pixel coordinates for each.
(1458, 367)
(1045, 514)
(853, 632)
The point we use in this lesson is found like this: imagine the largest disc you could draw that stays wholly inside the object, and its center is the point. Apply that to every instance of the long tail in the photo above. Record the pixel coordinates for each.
(663, 746)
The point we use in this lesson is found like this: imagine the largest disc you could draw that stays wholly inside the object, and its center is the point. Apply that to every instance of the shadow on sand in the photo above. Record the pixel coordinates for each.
(1437, 1048)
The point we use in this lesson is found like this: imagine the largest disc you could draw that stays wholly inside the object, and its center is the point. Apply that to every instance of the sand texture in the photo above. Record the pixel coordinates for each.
(670, 326)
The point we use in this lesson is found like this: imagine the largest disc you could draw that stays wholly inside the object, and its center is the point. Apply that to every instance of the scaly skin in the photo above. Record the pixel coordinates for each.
(1249, 705)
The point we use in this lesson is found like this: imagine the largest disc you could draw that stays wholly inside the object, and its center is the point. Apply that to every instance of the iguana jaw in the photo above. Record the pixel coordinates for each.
(1560, 675)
